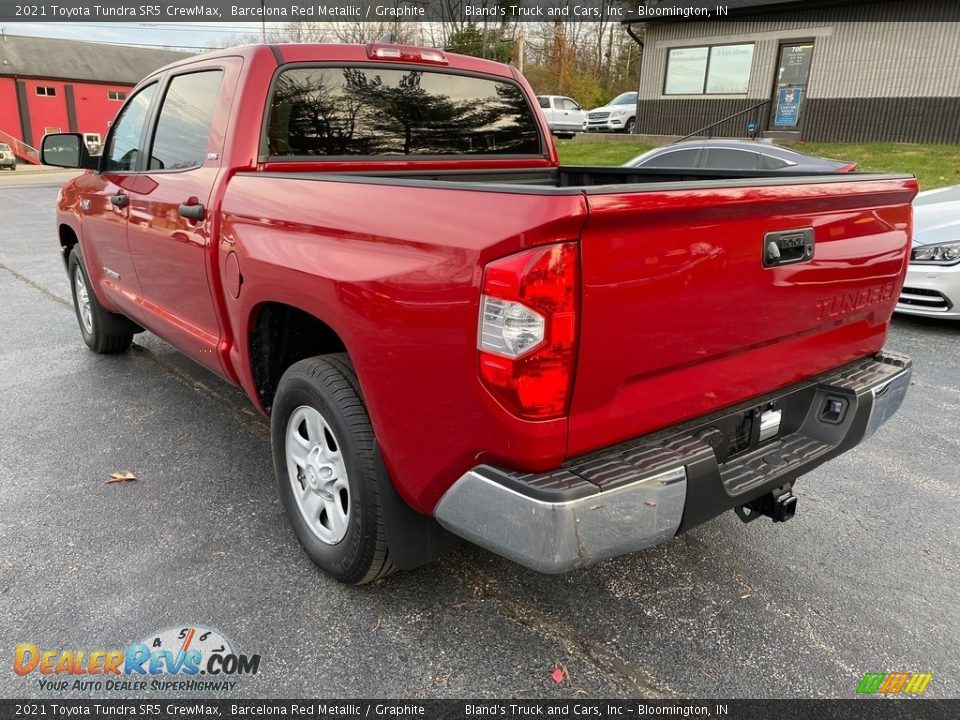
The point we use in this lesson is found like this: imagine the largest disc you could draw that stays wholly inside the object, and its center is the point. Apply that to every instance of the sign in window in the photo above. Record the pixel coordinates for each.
(716, 70)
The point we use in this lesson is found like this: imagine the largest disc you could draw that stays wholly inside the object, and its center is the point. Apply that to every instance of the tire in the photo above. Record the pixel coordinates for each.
(94, 321)
(631, 124)
(320, 431)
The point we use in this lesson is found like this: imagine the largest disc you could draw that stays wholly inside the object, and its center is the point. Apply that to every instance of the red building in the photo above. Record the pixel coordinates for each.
(50, 85)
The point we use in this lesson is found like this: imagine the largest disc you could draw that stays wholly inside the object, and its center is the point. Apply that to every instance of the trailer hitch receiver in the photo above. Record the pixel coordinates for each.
(779, 505)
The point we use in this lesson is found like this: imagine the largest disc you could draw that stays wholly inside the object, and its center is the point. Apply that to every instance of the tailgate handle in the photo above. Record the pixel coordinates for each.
(785, 247)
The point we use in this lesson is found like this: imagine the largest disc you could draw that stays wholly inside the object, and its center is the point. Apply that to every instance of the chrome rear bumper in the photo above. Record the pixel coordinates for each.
(643, 492)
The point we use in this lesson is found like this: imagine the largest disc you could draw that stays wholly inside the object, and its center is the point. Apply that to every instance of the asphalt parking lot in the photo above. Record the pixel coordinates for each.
(864, 579)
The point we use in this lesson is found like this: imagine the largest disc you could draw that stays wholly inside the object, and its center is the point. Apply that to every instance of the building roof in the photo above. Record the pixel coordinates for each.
(76, 60)
(741, 8)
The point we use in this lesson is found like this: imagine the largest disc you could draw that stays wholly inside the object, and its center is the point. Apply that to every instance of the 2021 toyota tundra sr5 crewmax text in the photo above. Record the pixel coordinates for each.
(452, 334)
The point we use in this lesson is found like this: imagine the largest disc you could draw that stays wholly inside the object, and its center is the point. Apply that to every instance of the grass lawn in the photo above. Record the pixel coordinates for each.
(934, 165)
(599, 153)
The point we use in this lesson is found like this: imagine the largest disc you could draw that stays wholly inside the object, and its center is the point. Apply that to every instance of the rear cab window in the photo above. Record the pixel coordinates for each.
(318, 112)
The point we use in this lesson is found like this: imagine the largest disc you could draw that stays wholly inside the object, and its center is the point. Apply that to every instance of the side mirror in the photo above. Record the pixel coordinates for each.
(66, 150)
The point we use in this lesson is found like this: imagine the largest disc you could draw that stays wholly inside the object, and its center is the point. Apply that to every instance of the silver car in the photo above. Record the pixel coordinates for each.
(7, 158)
(932, 287)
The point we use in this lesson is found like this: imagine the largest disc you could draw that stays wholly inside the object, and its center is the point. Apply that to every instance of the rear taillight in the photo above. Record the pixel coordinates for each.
(847, 167)
(527, 337)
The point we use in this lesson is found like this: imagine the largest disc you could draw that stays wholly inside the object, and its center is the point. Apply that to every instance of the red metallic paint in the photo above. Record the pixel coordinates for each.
(675, 297)
(673, 293)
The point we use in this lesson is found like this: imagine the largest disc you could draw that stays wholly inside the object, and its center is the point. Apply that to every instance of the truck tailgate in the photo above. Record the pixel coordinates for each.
(686, 308)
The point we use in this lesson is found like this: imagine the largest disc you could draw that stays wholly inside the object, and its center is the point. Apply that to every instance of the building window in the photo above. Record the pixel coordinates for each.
(116, 95)
(716, 70)
(46, 91)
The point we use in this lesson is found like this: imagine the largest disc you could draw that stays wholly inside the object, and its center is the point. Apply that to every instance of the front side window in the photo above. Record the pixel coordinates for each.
(717, 70)
(183, 128)
(673, 159)
(124, 141)
(375, 111)
(569, 104)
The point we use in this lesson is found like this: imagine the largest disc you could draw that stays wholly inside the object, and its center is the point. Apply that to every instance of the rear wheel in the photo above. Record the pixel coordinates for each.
(324, 458)
(93, 319)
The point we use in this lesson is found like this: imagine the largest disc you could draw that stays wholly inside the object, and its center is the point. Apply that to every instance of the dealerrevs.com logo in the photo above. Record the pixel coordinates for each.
(179, 659)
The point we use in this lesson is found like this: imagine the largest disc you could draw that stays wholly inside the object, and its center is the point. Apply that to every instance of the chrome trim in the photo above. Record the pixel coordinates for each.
(770, 424)
(887, 398)
(555, 537)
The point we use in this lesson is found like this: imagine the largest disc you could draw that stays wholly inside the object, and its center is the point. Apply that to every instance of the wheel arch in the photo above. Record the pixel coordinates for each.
(69, 238)
(280, 335)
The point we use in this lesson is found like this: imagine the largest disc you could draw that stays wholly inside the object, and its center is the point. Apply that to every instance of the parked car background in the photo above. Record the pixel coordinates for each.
(736, 155)
(564, 115)
(932, 287)
(619, 115)
(7, 158)
(93, 143)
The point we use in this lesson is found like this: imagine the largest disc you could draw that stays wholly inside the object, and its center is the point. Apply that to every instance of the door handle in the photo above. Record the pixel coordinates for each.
(192, 211)
(119, 200)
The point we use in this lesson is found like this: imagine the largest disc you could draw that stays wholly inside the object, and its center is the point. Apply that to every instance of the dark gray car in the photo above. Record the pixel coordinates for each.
(736, 155)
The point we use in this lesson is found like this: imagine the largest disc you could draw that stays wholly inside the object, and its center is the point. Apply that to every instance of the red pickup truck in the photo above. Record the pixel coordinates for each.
(452, 334)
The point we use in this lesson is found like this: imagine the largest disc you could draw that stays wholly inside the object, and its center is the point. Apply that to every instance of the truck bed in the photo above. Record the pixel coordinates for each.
(575, 179)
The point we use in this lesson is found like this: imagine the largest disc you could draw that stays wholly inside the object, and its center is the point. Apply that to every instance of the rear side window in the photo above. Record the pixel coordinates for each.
(375, 111)
(183, 128)
(726, 159)
(544, 102)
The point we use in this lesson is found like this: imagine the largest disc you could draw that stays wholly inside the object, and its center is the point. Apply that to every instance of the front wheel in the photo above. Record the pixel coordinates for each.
(95, 322)
(631, 124)
(324, 457)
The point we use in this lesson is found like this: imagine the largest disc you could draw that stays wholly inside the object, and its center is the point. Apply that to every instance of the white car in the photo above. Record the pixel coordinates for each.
(619, 115)
(564, 115)
(7, 158)
(932, 287)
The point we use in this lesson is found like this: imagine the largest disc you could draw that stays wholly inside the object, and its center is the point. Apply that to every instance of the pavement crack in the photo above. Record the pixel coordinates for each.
(638, 682)
(813, 637)
(254, 422)
(36, 286)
